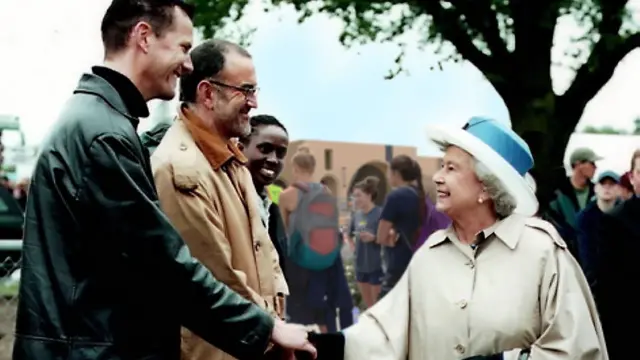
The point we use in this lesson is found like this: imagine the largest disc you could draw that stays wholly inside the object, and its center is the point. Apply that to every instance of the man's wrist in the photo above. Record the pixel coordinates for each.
(524, 354)
(487, 357)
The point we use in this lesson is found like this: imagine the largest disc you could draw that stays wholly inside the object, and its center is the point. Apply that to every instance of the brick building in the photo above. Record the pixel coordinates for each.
(342, 164)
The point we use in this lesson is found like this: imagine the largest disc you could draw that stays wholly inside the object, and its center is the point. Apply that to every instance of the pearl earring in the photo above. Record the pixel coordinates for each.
(480, 200)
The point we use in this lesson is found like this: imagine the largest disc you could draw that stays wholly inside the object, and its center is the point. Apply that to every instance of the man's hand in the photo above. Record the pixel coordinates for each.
(348, 241)
(367, 236)
(390, 240)
(292, 337)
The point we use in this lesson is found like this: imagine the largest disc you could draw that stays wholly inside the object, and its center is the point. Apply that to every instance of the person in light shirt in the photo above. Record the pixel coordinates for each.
(498, 283)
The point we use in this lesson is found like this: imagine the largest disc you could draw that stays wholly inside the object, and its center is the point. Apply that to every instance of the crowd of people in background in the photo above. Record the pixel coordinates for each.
(184, 242)
(599, 218)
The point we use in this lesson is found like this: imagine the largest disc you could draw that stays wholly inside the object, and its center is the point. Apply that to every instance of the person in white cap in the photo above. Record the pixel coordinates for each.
(496, 284)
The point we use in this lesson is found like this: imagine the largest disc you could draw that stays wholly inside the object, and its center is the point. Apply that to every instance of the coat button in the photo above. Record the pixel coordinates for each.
(463, 304)
(460, 349)
(257, 246)
(183, 147)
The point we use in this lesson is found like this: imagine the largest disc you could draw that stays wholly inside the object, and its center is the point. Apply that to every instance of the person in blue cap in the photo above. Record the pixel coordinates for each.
(588, 220)
(498, 283)
(618, 270)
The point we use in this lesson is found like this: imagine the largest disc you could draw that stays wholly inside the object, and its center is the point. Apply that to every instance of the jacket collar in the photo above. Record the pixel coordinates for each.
(568, 190)
(129, 93)
(217, 150)
(98, 86)
(507, 230)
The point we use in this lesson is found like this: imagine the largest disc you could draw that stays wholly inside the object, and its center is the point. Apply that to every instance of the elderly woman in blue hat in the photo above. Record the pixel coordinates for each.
(498, 283)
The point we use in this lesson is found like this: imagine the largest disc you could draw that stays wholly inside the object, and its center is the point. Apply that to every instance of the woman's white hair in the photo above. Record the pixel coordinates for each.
(503, 203)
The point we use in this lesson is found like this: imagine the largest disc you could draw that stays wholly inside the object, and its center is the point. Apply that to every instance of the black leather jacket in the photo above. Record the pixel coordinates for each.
(105, 275)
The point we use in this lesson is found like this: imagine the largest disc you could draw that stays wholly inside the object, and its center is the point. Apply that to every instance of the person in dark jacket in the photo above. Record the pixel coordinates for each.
(151, 138)
(101, 262)
(572, 195)
(620, 234)
(589, 219)
(265, 149)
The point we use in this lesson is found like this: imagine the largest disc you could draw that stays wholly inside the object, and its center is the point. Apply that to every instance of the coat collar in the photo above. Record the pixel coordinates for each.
(507, 230)
(217, 150)
(99, 86)
(95, 85)
(128, 91)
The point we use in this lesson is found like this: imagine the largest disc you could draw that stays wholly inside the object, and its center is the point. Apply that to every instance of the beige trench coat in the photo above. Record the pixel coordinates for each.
(216, 212)
(519, 289)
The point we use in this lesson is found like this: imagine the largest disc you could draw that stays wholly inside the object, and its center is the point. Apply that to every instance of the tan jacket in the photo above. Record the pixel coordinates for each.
(212, 202)
(520, 289)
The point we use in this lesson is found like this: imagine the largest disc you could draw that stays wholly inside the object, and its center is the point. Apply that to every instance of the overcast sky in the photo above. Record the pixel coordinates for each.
(319, 89)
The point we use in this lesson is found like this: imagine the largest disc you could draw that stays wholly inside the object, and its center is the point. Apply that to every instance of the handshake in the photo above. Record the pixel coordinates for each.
(296, 342)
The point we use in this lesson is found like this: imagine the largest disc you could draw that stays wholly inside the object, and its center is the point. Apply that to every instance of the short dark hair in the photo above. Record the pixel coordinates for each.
(208, 61)
(369, 186)
(123, 15)
(259, 121)
(410, 170)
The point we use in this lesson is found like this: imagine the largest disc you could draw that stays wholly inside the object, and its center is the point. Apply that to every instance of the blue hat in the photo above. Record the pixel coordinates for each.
(608, 175)
(500, 149)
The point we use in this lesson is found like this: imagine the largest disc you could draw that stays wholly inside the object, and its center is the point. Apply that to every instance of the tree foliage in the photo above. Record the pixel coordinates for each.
(610, 130)
(509, 41)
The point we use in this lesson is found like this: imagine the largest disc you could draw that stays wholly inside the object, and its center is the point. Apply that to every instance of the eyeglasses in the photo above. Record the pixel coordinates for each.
(248, 91)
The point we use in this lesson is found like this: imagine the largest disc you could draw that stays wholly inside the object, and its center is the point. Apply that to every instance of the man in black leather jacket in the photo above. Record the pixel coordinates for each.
(101, 263)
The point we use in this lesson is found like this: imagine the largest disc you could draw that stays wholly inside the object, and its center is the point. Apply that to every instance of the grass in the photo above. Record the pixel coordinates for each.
(9, 289)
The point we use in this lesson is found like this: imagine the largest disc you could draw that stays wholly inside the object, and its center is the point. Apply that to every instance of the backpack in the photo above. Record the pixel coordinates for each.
(314, 242)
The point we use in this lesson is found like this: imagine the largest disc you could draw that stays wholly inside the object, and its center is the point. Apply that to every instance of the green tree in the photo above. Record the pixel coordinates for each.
(636, 126)
(509, 41)
(603, 130)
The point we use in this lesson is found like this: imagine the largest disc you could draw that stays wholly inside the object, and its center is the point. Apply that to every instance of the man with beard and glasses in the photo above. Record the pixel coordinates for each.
(205, 188)
(265, 149)
(104, 273)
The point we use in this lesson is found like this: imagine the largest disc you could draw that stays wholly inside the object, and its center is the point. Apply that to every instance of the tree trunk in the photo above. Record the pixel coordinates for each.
(546, 125)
